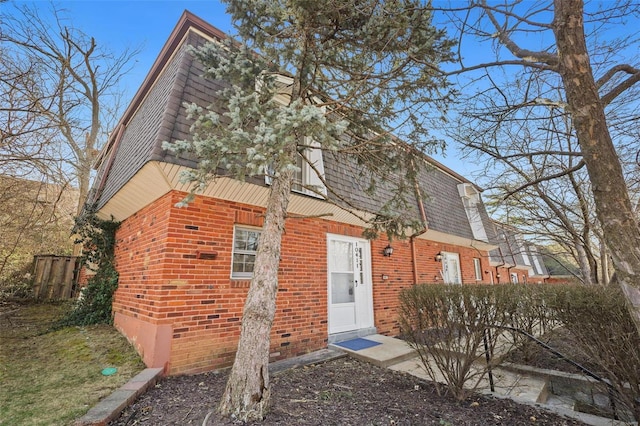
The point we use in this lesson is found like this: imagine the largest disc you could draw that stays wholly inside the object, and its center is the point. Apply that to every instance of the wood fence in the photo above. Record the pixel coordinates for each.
(55, 277)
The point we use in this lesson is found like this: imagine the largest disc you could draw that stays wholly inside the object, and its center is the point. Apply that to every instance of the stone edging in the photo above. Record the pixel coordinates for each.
(110, 407)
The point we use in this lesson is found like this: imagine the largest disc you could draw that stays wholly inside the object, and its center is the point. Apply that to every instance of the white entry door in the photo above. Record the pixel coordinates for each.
(349, 277)
(451, 268)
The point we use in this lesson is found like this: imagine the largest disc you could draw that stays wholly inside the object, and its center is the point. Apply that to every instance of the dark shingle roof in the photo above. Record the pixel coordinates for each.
(160, 116)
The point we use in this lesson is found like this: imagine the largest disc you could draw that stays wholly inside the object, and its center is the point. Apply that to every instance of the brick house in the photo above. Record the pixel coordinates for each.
(184, 272)
(515, 260)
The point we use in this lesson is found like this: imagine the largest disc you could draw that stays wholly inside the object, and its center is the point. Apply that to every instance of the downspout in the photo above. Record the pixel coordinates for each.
(425, 226)
(513, 257)
(500, 265)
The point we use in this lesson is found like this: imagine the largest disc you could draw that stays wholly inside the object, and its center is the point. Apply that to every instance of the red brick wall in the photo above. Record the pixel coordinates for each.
(164, 282)
(505, 276)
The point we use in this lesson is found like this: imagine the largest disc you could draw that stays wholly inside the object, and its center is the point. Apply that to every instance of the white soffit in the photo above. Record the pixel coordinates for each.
(256, 195)
(145, 187)
(156, 179)
(441, 237)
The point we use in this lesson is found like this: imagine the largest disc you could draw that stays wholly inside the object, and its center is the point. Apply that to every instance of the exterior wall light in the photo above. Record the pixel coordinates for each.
(438, 257)
(387, 251)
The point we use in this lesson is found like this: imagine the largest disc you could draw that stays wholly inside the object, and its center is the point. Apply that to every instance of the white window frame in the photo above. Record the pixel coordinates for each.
(477, 267)
(242, 275)
(470, 199)
(536, 262)
(309, 177)
(523, 250)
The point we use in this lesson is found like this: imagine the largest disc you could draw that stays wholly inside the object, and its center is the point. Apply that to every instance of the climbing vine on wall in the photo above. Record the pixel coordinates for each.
(98, 239)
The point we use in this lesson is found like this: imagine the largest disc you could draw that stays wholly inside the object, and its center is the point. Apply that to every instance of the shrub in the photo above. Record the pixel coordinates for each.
(447, 326)
(18, 285)
(527, 309)
(98, 240)
(601, 325)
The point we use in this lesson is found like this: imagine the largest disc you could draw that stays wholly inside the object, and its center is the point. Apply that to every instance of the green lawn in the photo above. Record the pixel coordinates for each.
(52, 378)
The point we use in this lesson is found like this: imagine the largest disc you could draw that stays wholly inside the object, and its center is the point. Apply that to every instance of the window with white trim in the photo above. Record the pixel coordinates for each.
(523, 250)
(536, 262)
(308, 178)
(477, 267)
(245, 247)
(470, 199)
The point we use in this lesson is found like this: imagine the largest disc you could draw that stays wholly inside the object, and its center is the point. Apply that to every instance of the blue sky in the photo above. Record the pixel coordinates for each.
(146, 24)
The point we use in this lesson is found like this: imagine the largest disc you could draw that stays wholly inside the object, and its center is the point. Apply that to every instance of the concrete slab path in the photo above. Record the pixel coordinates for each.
(397, 355)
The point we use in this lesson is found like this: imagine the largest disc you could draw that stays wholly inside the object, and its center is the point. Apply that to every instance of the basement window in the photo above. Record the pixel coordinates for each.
(245, 247)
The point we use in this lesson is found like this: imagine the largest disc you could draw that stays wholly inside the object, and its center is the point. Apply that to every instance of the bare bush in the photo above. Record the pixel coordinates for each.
(447, 326)
(605, 332)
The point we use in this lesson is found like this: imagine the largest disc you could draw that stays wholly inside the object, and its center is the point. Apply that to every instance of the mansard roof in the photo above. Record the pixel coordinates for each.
(156, 114)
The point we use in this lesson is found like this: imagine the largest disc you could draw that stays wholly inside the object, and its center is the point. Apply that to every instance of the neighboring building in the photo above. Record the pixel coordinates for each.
(184, 272)
(561, 270)
(515, 260)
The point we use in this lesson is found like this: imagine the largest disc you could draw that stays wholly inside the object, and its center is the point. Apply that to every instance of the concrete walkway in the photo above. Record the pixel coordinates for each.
(397, 355)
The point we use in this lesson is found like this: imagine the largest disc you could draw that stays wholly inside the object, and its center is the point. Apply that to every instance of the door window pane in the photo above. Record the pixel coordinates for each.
(342, 290)
(341, 256)
(451, 268)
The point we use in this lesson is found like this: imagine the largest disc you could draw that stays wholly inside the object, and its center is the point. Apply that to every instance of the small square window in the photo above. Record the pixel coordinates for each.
(245, 247)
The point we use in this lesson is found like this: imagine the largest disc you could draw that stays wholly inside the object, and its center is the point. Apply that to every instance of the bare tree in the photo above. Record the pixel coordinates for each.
(593, 77)
(35, 218)
(534, 171)
(60, 86)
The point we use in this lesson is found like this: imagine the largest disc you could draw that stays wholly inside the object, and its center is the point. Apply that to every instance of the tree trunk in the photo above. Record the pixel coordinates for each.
(613, 206)
(583, 262)
(247, 394)
(604, 262)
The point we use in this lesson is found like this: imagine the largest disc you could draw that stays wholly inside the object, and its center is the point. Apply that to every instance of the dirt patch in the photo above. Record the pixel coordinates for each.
(339, 392)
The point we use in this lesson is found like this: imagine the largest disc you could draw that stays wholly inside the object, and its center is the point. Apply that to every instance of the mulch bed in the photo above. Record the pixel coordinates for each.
(339, 392)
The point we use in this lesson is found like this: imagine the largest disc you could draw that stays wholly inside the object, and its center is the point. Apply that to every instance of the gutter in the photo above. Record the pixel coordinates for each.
(500, 265)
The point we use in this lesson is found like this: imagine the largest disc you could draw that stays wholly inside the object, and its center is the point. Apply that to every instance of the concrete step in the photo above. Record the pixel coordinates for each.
(506, 384)
(386, 352)
(515, 384)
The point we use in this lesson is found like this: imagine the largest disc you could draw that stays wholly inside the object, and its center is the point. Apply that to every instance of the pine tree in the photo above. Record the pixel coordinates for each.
(356, 79)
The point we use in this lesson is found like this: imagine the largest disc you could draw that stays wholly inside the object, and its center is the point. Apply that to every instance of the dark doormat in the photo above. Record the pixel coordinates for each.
(358, 344)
